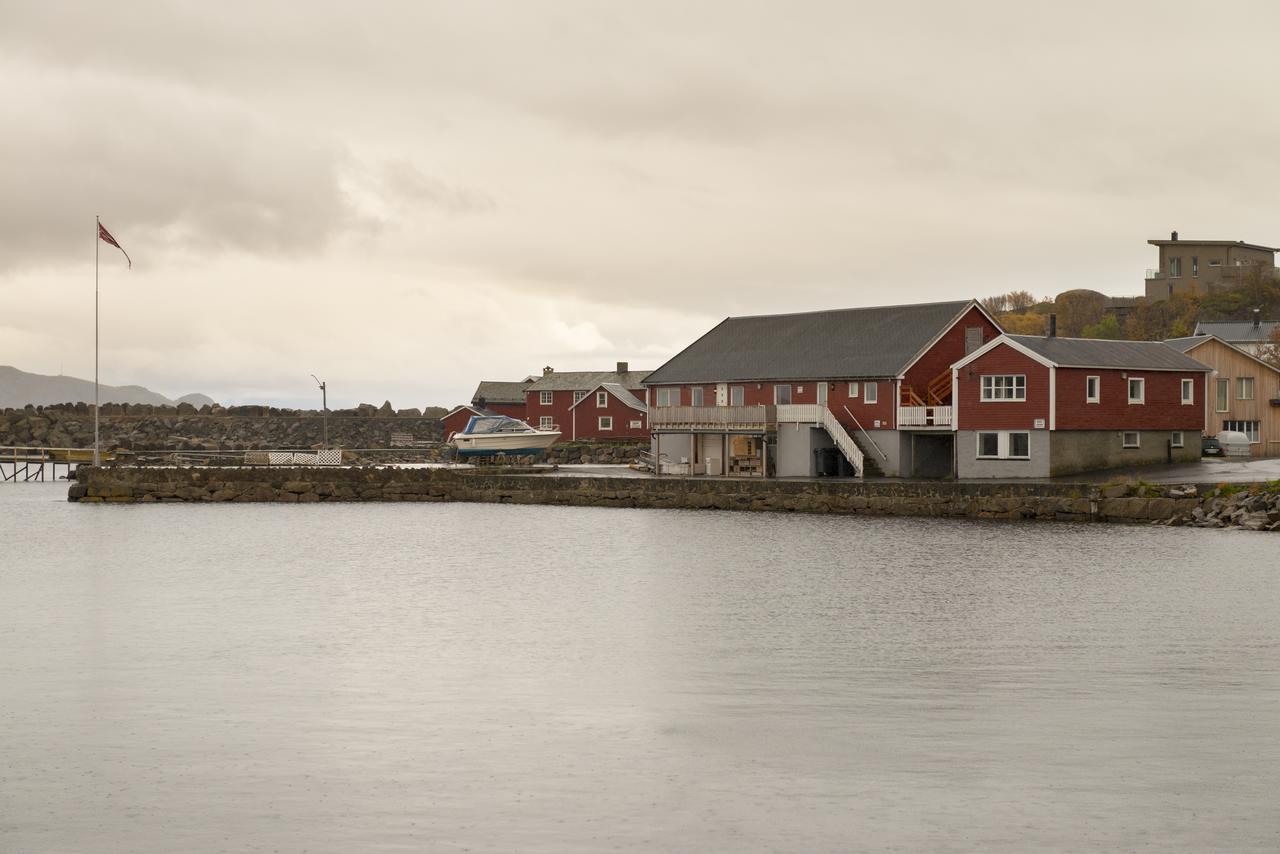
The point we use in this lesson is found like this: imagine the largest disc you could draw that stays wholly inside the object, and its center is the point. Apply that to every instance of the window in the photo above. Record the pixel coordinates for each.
(636, 424)
(602, 399)
(578, 395)
(1215, 262)
(1220, 396)
(782, 394)
(1004, 387)
(1244, 388)
(1188, 392)
(1249, 428)
(1195, 266)
(1175, 268)
(1175, 439)
(1137, 390)
(668, 397)
(544, 397)
(545, 423)
(1092, 389)
(1004, 446)
(870, 393)
(606, 422)
(1132, 439)
(696, 396)
(853, 389)
(737, 395)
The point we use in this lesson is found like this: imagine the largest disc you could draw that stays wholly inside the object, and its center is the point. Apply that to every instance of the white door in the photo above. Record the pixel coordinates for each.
(822, 394)
(722, 394)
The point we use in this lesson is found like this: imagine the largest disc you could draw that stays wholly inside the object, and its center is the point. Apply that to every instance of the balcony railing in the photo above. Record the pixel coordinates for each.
(802, 413)
(755, 418)
(924, 416)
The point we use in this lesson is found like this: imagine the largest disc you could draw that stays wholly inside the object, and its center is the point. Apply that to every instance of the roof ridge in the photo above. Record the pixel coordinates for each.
(854, 308)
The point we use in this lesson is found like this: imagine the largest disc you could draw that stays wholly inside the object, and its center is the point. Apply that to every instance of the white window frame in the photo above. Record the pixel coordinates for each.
(1004, 445)
(545, 398)
(1137, 439)
(1252, 429)
(853, 389)
(739, 392)
(664, 396)
(578, 395)
(870, 393)
(1222, 394)
(697, 396)
(602, 399)
(1188, 392)
(636, 424)
(605, 422)
(1175, 439)
(1244, 388)
(1096, 381)
(546, 422)
(1017, 388)
(776, 388)
(1142, 390)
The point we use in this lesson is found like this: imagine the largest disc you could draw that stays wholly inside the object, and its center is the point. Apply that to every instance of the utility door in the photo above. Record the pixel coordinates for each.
(722, 394)
(822, 394)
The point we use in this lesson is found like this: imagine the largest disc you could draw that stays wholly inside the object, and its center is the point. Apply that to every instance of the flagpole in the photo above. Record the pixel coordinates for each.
(97, 226)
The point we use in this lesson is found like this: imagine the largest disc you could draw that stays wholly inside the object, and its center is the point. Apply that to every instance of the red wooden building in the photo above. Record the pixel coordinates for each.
(1032, 406)
(552, 401)
(491, 398)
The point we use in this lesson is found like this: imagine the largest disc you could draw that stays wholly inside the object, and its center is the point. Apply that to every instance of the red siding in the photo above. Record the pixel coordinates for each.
(458, 420)
(805, 391)
(946, 351)
(882, 410)
(974, 414)
(584, 422)
(1162, 410)
(561, 413)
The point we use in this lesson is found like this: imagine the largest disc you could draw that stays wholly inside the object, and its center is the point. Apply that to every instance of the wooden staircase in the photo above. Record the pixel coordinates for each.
(937, 393)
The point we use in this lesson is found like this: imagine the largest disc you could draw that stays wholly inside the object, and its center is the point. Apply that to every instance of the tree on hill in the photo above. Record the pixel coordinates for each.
(1078, 309)
(1107, 327)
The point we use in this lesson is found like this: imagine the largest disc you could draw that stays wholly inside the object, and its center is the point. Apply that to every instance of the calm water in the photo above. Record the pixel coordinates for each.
(487, 678)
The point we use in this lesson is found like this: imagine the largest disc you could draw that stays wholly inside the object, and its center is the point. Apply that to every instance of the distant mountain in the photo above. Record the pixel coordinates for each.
(18, 388)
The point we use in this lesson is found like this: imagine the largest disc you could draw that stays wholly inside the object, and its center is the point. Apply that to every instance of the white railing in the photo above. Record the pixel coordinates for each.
(710, 417)
(816, 413)
(924, 416)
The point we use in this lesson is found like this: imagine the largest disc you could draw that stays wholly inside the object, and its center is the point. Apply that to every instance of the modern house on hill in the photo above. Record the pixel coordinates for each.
(1199, 266)
(791, 394)
(594, 405)
(1250, 336)
(1032, 406)
(1244, 391)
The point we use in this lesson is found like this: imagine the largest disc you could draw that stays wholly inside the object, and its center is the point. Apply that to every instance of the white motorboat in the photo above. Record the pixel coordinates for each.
(490, 435)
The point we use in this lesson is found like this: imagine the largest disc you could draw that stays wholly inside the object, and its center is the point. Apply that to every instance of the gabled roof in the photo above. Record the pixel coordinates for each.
(850, 343)
(626, 397)
(1240, 243)
(1186, 345)
(1094, 353)
(586, 380)
(1237, 330)
(500, 392)
(474, 409)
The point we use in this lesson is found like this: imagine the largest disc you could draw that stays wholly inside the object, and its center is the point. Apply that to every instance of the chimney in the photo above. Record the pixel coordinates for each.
(1173, 236)
(1053, 326)
(548, 370)
(622, 367)
(1257, 318)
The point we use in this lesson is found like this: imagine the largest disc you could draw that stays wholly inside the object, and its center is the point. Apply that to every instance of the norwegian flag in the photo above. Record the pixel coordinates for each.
(105, 235)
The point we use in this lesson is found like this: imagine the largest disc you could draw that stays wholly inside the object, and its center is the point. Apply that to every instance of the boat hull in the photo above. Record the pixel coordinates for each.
(515, 444)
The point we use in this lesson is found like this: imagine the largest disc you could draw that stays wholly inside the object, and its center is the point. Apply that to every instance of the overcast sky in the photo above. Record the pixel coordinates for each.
(407, 197)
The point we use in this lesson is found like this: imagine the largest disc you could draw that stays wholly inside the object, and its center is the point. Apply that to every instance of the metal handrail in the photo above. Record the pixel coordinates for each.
(861, 429)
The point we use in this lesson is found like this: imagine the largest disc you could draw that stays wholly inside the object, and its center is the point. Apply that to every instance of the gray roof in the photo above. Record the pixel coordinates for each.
(1240, 243)
(848, 343)
(586, 380)
(1102, 353)
(623, 395)
(1182, 345)
(499, 392)
(1238, 330)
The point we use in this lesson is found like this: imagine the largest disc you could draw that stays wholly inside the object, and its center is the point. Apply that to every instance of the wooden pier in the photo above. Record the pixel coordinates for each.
(26, 465)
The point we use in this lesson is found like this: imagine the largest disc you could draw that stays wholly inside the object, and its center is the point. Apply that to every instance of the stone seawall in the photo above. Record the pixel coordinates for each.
(1074, 502)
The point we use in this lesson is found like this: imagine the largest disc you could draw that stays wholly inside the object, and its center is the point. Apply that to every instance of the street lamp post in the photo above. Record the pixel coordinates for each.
(324, 411)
